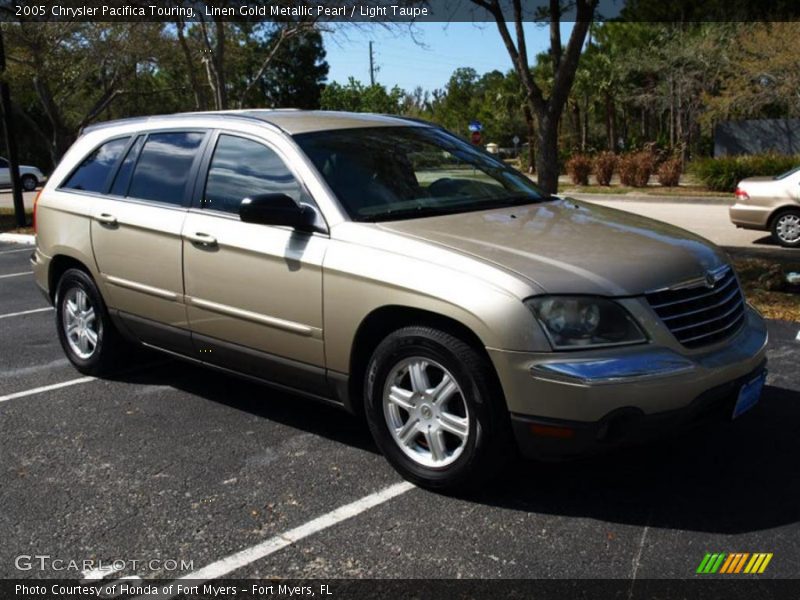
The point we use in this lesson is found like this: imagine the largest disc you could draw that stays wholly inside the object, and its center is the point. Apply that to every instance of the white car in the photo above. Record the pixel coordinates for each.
(30, 176)
(770, 204)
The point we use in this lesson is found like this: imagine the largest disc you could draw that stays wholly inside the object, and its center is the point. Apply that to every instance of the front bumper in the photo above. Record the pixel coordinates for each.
(568, 404)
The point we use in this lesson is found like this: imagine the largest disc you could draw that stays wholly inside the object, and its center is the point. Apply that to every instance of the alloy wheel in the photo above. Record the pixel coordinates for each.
(426, 412)
(81, 325)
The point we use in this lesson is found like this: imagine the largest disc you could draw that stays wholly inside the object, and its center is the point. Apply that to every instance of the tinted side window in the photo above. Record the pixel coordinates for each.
(3, 163)
(93, 172)
(164, 166)
(242, 168)
(123, 178)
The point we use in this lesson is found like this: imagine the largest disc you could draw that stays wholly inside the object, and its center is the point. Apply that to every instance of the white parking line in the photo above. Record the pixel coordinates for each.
(26, 312)
(14, 251)
(100, 573)
(16, 274)
(229, 564)
(46, 388)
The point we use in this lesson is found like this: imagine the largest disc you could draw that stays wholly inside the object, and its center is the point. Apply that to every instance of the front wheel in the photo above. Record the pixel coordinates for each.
(85, 330)
(434, 410)
(786, 229)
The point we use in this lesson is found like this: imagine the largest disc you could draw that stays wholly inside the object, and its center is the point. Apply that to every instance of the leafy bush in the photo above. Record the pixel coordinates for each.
(669, 173)
(723, 173)
(579, 167)
(636, 168)
(604, 165)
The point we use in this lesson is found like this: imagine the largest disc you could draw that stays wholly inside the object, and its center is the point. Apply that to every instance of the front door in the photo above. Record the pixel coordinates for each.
(253, 292)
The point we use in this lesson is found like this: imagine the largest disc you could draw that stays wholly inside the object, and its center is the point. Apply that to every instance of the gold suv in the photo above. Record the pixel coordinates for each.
(386, 266)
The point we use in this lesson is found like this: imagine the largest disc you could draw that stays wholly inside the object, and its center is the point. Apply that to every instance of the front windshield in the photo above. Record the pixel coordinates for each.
(393, 173)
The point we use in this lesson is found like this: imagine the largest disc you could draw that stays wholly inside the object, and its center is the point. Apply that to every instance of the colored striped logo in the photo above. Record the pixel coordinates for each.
(737, 562)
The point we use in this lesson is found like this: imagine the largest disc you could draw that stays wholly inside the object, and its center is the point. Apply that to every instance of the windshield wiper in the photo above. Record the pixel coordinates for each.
(431, 211)
(409, 213)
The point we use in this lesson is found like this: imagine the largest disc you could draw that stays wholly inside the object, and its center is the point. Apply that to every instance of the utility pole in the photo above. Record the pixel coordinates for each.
(11, 141)
(371, 66)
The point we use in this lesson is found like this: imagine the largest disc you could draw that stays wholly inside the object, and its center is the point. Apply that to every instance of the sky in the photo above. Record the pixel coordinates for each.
(443, 48)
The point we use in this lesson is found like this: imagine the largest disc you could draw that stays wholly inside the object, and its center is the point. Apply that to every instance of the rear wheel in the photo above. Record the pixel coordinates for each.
(434, 410)
(29, 183)
(85, 330)
(786, 228)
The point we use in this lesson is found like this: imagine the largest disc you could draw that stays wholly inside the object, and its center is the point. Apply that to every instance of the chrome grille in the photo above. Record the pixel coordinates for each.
(701, 314)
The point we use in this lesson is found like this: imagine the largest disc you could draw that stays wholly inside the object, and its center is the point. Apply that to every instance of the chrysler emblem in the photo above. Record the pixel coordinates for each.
(712, 278)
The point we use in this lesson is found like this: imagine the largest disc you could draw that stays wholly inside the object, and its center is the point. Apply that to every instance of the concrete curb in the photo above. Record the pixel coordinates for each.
(18, 238)
(589, 197)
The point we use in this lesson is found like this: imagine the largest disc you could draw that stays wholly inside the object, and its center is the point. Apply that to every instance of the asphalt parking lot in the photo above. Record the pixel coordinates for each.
(167, 461)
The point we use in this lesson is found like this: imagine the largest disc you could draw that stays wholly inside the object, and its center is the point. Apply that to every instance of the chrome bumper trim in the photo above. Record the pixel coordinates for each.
(610, 370)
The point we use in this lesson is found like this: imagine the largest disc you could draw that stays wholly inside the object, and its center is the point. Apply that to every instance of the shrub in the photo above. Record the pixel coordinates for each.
(636, 168)
(604, 165)
(669, 173)
(723, 173)
(579, 167)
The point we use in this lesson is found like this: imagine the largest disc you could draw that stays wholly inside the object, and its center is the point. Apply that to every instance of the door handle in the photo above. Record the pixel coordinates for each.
(106, 219)
(203, 239)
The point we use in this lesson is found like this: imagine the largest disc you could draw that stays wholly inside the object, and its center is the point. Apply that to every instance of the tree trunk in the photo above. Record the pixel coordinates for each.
(531, 139)
(610, 133)
(199, 96)
(61, 136)
(547, 157)
(576, 125)
(219, 65)
(585, 124)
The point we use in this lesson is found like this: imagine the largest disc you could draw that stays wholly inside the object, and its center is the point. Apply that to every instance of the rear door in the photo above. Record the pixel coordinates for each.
(136, 234)
(253, 292)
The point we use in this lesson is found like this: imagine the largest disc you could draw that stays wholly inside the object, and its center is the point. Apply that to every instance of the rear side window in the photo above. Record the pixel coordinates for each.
(93, 172)
(242, 168)
(164, 166)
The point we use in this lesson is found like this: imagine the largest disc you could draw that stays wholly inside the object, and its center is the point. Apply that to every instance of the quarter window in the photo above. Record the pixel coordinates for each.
(93, 172)
(242, 168)
(123, 178)
(164, 167)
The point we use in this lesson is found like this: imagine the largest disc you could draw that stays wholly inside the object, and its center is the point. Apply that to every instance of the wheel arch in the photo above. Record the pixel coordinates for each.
(382, 321)
(782, 210)
(60, 264)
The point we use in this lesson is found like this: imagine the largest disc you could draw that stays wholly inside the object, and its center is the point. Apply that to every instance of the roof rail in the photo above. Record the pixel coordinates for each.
(176, 116)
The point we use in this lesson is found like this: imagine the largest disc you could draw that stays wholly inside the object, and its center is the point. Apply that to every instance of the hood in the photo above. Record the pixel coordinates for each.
(565, 246)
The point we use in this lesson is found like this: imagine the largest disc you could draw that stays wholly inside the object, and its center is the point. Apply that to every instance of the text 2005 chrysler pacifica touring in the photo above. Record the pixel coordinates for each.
(389, 267)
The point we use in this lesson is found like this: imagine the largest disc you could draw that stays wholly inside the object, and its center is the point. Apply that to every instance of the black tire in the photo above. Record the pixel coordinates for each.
(29, 182)
(109, 344)
(488, 444)
(778, 221)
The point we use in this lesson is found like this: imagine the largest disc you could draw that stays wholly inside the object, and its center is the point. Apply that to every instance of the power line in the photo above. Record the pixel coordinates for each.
(371, 65)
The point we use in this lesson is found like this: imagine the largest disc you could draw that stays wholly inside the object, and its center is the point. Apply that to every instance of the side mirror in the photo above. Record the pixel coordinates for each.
(275, 209)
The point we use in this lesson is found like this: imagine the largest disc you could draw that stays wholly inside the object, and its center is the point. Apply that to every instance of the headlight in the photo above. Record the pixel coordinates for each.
(573, 322)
